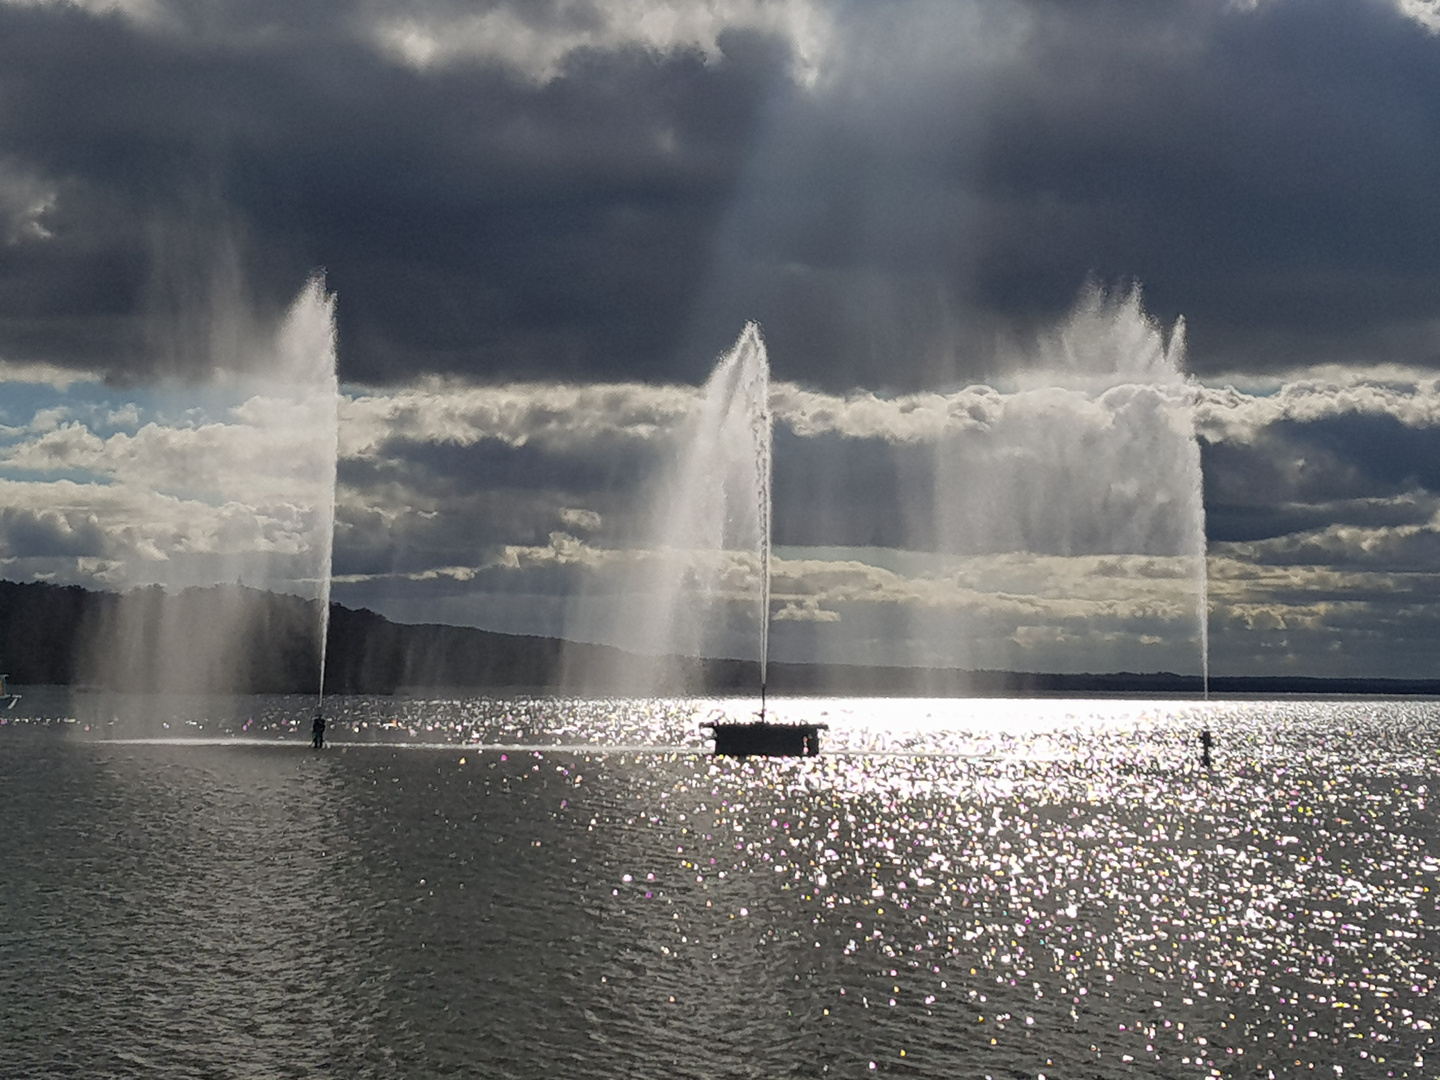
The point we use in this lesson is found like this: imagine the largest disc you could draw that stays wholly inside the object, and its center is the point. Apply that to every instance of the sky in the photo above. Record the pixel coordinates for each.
(1057, 296)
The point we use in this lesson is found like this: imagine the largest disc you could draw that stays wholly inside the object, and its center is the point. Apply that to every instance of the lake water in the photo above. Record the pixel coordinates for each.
(547, 888)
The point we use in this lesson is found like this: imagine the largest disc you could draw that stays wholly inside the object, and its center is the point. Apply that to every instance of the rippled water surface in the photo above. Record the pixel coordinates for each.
(541, 888)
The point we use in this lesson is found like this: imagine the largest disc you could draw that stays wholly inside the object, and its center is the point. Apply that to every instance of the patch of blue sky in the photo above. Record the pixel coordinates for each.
(27, 409)
(31, 410)
(46, 476)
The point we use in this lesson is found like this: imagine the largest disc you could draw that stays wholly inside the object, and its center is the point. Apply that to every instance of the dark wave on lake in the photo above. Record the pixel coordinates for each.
(954, 889)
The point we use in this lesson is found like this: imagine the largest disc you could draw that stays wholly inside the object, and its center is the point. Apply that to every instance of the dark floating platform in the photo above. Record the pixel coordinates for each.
(760, 738)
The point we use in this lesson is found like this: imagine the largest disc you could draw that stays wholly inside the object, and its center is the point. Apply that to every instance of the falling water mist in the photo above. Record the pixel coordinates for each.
(1052, 523)
(1087, 466)
(699, 583)
(237, 596)
(306, 355)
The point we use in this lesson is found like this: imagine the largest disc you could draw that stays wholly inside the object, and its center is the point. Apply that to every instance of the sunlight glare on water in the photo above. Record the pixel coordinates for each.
(953, 889)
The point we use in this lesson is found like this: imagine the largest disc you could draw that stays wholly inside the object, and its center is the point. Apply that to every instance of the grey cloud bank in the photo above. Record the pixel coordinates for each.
(902, 194)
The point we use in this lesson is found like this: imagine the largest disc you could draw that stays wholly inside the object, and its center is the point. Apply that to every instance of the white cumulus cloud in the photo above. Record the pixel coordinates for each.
(536, 40)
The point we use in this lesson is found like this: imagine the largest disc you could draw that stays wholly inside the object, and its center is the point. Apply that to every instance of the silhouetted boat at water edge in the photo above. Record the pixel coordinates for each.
(762, 738)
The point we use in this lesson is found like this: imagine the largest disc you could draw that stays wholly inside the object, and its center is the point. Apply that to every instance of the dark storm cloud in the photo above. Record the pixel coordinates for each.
(1266, 172)
(409, 505)
(31, 534)
(1351, 469)
(469, 219)
(369, 541)
(1234, 521)
(830, 490)
(1380, 453)
(403, 516)
(438, 470)
(1359, 639)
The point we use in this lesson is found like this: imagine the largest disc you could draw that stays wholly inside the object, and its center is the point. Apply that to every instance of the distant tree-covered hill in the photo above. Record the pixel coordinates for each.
(226, 638)
(229, 638)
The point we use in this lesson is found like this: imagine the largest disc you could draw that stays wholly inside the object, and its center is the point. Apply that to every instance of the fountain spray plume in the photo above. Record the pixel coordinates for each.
(762, 429)
(1090, 463)
(306, 348)
(704, 565)
(1202, 545)
(1116, 324)
(232, 589)
(1110, 337)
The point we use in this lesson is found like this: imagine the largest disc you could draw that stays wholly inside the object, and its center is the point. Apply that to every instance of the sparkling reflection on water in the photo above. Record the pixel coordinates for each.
(489, 888)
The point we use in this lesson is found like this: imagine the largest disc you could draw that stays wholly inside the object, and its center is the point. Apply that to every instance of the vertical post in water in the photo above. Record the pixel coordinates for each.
(1204, 622)
(327, 538)
(1204, 619)
(327, 387)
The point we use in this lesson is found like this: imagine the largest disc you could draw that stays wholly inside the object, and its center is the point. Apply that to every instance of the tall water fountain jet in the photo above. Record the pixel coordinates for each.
(701, 586)
(762, 430)
(306, 350)
(221, 506)
(1087, 475)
